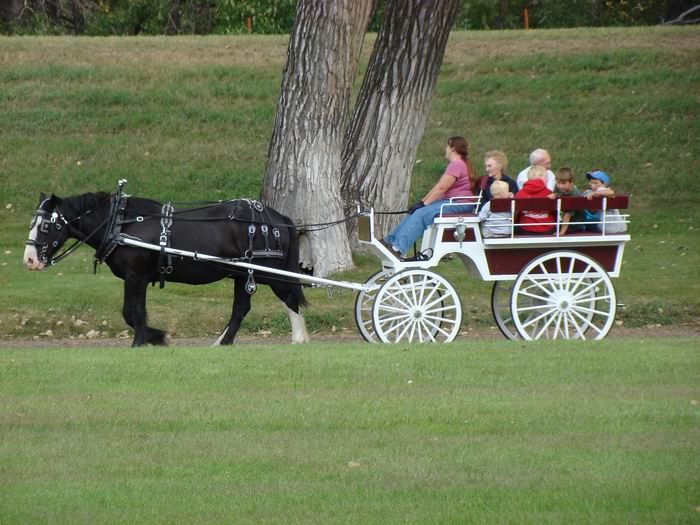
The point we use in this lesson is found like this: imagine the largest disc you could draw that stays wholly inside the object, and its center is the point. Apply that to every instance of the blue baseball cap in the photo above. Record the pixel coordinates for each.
(600, 175)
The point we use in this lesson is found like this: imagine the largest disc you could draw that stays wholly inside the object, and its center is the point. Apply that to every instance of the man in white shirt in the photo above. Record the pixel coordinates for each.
(539, 157)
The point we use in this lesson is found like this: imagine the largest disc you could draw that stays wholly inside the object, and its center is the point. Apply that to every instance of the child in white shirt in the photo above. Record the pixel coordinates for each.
(496, 224)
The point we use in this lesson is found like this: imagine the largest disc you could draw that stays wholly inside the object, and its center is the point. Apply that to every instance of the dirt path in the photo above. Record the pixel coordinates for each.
(482, 334)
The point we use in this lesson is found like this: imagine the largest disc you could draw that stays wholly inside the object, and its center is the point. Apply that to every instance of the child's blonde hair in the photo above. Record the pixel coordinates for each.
(537, 172)
(499, 189)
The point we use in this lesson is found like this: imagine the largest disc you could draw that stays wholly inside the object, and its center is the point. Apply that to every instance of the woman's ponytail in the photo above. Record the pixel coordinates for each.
(461, 147)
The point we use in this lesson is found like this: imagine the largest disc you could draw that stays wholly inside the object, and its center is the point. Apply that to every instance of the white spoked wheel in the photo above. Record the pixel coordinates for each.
(500, 307)
(416, 306)
(563, 295)
(363, 306)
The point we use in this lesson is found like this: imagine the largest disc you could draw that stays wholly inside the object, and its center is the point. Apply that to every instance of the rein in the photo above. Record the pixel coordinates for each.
(77, 244)
(315, 227)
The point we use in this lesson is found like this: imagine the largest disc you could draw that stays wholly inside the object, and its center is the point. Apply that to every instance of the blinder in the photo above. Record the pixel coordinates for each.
(45, 219)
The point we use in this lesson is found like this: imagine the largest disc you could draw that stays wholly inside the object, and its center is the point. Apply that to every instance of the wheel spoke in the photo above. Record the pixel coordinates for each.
(443, 309)
(566, 326)
(392, 325)
(433, 290)
(436, 327)
(427, 331)
(413, 331)
(440, 319)
(590, 310)
(535, 319)
(558, 325)
(400, 336)
(552, 284)
(402, 289)
(413, 288)
(586, 321)
(393, 296)
(536, 283)
(577, 326)
(421, 296)
(535, 307)
(546, 325)
(590, 286)
(581, 278)
(533, 296)
(403, 315)
(420, 332)
(394, 309)
(438, 300)
(592, 299)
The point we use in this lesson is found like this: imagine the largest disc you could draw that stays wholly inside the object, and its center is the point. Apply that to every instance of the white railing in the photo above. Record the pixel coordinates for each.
(456, 202)
(606, 223)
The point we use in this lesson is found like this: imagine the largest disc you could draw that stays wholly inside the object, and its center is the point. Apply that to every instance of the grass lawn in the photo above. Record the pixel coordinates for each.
(480, 432)
(189, 118)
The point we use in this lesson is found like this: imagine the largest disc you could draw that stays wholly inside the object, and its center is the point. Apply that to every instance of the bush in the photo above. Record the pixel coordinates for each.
(153, 17)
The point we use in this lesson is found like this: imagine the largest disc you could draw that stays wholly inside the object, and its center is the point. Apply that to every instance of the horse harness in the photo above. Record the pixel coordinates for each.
(259, 219)
(115, 220)
(165, 261)
(266, 253)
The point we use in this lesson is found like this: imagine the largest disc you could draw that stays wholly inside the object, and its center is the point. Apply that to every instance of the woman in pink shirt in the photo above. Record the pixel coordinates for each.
(457, 181)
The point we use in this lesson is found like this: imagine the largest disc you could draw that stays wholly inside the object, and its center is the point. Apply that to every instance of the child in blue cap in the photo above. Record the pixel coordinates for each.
(598, 181)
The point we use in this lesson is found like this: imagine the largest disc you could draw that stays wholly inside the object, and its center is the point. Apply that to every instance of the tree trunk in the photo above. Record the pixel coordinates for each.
(392, 107)
(78, 17)
(302, 179)
(10, 10)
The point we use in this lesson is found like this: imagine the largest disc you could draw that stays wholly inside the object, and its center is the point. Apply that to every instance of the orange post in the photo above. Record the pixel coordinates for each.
(526, 19)
(249, 23)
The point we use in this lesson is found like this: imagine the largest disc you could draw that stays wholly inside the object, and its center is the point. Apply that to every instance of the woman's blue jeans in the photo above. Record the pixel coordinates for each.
(412, 226)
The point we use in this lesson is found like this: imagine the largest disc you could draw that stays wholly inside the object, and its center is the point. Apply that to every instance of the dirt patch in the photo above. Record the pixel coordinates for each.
(481, 334)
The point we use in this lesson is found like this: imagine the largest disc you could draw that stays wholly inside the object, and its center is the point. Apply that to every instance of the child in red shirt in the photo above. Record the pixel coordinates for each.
(536, 221)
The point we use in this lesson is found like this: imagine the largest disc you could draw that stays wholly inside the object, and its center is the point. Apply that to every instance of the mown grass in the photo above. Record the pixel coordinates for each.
(479, 432)
(190, 118)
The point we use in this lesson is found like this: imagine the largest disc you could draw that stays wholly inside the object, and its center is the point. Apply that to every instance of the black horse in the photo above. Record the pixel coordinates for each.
(236, 229)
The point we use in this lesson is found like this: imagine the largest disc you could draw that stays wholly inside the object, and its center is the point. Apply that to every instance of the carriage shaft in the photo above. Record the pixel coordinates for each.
(249, 266)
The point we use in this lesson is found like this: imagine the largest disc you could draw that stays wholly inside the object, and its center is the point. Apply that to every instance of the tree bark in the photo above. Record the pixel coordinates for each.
(302, 179)
(10, 10)
(392, 107)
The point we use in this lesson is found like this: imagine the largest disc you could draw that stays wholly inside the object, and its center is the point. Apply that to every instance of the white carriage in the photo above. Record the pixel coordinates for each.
(544, 287)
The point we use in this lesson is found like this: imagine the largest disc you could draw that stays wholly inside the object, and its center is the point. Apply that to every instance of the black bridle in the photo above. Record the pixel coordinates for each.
(46, 219)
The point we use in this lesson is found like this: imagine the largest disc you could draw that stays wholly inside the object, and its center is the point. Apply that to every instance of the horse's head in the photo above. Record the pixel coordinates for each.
(48, 231)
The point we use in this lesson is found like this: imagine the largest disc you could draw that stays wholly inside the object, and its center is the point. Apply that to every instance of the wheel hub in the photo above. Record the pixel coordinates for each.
(417, 315)
(563, 300)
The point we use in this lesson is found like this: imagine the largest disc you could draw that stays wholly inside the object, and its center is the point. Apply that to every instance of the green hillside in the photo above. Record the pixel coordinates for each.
(190, 118)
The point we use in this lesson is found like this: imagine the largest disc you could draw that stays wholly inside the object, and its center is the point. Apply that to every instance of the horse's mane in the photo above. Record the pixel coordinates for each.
(79, 204)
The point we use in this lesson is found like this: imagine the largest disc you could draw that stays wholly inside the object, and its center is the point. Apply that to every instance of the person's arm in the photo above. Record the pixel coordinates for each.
(602, 192)
(484, 213)
(440, 188)
(564, 223)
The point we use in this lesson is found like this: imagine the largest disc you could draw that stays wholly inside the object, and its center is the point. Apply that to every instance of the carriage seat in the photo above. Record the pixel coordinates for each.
(620, 202)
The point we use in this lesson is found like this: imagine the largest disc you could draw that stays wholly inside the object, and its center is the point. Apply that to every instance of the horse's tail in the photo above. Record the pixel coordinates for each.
(293, 262)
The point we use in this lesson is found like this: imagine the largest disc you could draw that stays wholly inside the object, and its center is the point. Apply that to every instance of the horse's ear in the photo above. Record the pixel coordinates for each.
(42, 197)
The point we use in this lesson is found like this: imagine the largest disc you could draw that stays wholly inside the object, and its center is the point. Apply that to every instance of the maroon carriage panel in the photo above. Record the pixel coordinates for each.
(512, 260)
